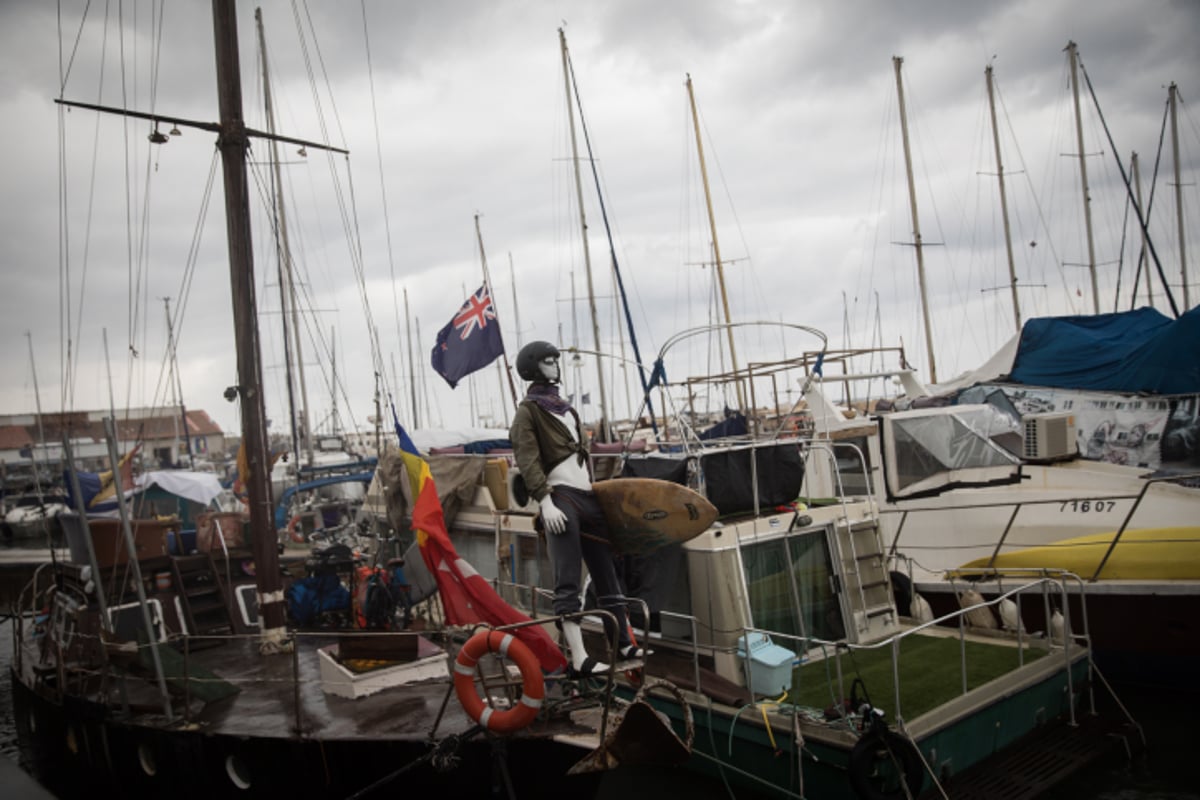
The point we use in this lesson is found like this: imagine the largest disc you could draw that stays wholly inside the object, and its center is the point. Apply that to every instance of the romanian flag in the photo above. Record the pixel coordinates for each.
(467, 597)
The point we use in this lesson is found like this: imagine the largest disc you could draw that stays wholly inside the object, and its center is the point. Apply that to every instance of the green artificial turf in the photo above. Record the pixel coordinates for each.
(930, 673)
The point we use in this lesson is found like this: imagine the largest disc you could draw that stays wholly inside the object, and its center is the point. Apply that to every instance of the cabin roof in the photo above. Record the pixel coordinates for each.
(164, 424)
(14, 437)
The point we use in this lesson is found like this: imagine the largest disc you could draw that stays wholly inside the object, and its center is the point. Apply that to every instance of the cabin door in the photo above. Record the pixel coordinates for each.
(792, 586)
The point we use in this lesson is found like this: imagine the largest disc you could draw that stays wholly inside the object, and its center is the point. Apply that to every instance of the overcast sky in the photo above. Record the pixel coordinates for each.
(454, 109)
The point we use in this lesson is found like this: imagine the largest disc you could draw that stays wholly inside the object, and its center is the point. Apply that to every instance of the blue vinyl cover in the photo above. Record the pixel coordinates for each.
(1139, 351)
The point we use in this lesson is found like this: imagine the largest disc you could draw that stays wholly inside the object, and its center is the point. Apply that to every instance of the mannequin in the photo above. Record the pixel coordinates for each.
(552, 455)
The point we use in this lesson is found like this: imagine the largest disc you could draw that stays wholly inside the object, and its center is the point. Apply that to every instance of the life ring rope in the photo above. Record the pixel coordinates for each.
(533, 687)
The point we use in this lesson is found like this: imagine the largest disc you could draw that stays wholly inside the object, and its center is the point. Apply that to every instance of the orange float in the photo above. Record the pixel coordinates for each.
(533, 689)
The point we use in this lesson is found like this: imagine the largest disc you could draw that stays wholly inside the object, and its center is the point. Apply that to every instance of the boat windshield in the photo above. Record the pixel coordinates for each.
(934, 449)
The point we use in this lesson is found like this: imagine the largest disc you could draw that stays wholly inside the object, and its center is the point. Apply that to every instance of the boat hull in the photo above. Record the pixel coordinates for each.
(76, 749)
(738, 748)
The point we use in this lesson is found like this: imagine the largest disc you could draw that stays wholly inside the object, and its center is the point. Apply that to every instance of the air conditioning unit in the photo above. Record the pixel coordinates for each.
(1049, 437)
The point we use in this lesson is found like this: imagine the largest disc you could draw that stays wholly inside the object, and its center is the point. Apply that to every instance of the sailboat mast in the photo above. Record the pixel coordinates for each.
(177, 386)
(587, 260)
(37, 399)
(285, 252)
(1073, 57)
(618, 281)
(897, 61)
(576, 360)
(233, 145)
(512, 277)
(712, 224)
(412, 378)
(1012, 270)
(1172, 99)
(1136, 173)
(501, 369)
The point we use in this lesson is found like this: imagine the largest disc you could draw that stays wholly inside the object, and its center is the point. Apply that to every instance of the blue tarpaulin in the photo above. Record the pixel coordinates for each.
(1131, 351)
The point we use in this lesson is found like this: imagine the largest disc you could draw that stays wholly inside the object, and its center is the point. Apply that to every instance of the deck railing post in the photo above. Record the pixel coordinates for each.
(896, 675)
(1021, 632)
(1070, 676)
(962, 648)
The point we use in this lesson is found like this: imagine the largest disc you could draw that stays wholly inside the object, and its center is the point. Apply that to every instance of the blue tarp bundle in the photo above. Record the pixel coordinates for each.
(1131, 351)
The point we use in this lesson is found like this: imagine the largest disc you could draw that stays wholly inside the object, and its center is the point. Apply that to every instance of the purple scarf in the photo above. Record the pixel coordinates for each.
(546, 396)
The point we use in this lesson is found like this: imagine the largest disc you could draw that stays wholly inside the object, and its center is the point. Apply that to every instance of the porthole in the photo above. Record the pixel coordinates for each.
(238, 774)
(146, 759)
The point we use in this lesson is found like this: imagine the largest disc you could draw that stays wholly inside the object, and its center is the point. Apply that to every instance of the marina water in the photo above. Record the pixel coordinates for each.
(1165, 772)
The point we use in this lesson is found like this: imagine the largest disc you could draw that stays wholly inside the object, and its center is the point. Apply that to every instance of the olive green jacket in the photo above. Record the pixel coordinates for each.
(540, 443)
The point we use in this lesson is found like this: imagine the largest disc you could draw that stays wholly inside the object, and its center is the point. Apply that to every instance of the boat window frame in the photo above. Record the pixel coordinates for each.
(836, 586)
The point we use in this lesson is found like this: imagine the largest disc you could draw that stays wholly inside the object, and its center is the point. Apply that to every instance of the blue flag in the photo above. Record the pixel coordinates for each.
(470, 341)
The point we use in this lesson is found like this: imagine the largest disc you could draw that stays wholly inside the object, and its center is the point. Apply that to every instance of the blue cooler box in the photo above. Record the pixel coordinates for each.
(770, 664)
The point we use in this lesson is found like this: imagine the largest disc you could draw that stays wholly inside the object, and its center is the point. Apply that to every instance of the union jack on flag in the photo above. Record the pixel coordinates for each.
(475, 313)
(477, 344)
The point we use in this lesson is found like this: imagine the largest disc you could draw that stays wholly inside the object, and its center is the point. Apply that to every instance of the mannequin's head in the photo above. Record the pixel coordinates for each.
(538, 363)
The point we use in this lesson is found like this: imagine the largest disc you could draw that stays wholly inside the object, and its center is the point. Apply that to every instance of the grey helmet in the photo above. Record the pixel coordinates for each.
(529, 357)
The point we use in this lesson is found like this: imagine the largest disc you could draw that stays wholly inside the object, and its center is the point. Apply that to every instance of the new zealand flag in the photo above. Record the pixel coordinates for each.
(470, 341)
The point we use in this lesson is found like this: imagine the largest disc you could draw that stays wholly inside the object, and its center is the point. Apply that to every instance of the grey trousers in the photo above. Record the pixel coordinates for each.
(585, 540)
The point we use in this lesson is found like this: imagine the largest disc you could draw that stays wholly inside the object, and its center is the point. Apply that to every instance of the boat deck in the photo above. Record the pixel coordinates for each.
(231, 688)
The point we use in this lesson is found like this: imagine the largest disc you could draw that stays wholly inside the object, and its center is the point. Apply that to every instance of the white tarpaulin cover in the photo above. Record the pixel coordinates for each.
(199, 487)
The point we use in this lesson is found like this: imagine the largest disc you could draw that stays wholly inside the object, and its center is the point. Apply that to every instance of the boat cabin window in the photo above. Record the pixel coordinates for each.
(792, 588)
(931, 450)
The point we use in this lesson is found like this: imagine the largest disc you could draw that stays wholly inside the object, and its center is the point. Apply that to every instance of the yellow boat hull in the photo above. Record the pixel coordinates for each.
(1170, 554)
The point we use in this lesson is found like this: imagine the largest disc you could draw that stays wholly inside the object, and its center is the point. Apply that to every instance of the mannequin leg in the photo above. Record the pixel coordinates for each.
(566, 556)
(582, 664)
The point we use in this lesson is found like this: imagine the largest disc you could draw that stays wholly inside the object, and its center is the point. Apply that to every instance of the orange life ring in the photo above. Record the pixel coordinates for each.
(296, 536)
(533, 689)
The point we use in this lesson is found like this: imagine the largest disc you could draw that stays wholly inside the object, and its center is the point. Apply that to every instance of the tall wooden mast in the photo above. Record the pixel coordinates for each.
(233, 144)
(712, 224)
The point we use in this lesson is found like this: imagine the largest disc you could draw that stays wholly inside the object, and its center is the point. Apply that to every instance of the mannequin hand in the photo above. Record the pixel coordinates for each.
(554, 520)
